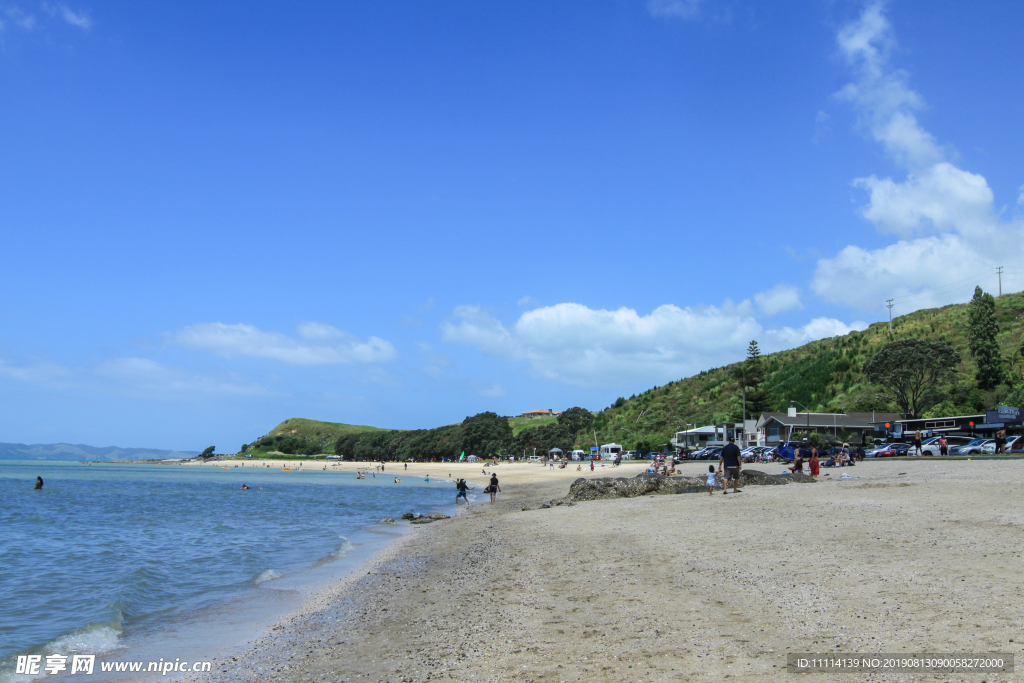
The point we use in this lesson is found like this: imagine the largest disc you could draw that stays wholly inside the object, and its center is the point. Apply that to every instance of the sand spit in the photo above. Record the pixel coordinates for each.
(902, 557)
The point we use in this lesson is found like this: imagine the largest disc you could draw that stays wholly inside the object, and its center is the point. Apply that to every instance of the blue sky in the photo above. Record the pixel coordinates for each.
(216, 216)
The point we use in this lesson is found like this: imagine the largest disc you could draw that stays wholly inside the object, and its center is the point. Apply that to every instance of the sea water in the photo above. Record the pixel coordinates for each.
(104, 551)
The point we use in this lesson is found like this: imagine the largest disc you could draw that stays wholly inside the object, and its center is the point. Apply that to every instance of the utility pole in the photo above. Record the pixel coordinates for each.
(999, 272)
(888, 302)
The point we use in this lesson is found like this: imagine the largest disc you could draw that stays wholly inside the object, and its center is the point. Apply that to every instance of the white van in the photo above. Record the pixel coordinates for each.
(610, 451)
(579, 455)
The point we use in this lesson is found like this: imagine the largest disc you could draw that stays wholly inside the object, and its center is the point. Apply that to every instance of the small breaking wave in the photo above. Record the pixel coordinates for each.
(266, 575)
(92, 639)
(341, 551)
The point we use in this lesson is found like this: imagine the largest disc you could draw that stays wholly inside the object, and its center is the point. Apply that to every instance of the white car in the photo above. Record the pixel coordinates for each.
(990, 446)
(931, 446)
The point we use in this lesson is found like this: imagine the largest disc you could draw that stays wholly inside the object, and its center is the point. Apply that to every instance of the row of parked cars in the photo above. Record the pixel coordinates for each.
(958, 445)
(749, 454)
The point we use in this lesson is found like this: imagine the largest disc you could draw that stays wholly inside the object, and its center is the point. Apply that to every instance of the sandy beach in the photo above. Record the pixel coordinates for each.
(905, 557)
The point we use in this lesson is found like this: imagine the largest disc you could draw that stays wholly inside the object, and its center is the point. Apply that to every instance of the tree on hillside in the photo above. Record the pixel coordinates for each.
(575, 420)
(543, 438)
(912, 369)
(750, 375)
(485, 434)
(208, 453)
(982, 329)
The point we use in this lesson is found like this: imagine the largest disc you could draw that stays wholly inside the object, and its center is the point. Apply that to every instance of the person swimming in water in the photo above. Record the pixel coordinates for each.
(39, 483)
(427, 478)
(244, 487)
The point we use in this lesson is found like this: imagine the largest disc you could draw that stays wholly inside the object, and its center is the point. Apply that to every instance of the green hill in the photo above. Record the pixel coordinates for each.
(824, 375)
(316, 436)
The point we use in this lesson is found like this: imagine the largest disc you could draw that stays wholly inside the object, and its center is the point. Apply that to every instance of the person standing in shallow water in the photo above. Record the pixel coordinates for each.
(39, 483)
(495, 489)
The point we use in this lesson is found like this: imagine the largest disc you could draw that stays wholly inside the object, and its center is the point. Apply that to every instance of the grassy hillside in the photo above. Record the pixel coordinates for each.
(323, 435)
(824, 376)
(518, 424)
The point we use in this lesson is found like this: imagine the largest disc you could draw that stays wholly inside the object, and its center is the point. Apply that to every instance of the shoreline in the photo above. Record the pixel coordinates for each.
(673, 587)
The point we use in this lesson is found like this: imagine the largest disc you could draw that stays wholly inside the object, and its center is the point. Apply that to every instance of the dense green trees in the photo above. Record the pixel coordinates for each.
(543, 439)
(982, 329)
(483, 434)
(208, 452)
(575, 420)
(912, 369)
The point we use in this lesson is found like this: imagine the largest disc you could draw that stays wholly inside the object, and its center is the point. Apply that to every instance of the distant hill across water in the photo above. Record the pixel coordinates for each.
(68, 451)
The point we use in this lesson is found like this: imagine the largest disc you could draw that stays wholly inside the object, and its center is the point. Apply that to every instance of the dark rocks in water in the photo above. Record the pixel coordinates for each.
(408, 515)
(388, 520)
(648, 484)
(427, 520)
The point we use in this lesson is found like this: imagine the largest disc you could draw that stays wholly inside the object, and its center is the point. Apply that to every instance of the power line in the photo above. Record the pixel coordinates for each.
(944, 286)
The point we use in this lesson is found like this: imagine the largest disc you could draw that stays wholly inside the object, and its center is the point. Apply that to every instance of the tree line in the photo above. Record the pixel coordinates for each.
(484, 434)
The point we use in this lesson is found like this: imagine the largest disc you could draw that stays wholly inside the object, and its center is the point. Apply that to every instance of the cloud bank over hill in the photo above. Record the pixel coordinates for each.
(587, 347)
(945, 217)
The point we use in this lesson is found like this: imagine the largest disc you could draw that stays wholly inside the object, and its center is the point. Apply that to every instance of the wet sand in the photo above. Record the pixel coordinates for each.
(919, 556)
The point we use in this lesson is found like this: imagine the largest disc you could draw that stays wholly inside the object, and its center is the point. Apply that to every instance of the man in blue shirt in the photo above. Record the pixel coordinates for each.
(731, 461)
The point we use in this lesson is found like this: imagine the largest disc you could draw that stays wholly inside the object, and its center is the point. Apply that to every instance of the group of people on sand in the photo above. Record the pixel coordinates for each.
(844, 458)
(462, 488)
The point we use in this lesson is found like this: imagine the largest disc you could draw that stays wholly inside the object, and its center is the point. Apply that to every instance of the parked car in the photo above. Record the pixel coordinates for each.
(931, 446)
(991, 447)
(786, 450)
(893, 450)
(974, 447)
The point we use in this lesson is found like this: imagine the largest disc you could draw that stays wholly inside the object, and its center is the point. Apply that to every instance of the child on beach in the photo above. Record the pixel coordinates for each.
(711, 480)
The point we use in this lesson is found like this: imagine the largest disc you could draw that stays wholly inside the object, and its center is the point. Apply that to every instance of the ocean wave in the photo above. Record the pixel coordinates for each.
(92, 639)
(341, 551)
(266, 575)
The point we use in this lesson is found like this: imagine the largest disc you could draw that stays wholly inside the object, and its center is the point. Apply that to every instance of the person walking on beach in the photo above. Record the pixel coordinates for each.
(1001, 441)
(494, 488)
(731, 461)
(814, 464)
(711, 480)
(39, 483)
(461, 487)
(798, 462)
(943, 446)
(591, 465)
(917, 442)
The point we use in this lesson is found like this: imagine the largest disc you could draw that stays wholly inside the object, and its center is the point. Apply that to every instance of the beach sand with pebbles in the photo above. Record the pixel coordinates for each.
(907, 556)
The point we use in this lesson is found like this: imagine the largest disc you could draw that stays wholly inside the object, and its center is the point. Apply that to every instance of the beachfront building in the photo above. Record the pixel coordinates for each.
(539, 413)
(775, 428)
(698, 437)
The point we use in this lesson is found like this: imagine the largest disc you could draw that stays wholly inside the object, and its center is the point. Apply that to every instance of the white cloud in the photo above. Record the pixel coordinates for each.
(79, 19)
(574, 344)
(493, 391)
(945, 215)
(150, 377)
(679, 9)
(132, 376)
(781, 297)
(819, 328)
(319, 344)
(18, 17)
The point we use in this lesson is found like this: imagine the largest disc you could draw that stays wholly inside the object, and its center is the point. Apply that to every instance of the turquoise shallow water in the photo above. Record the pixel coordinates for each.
(104, 548)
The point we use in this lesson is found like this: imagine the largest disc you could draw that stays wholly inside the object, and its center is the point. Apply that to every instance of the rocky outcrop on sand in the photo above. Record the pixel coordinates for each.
(648, 484)
(428, 519)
